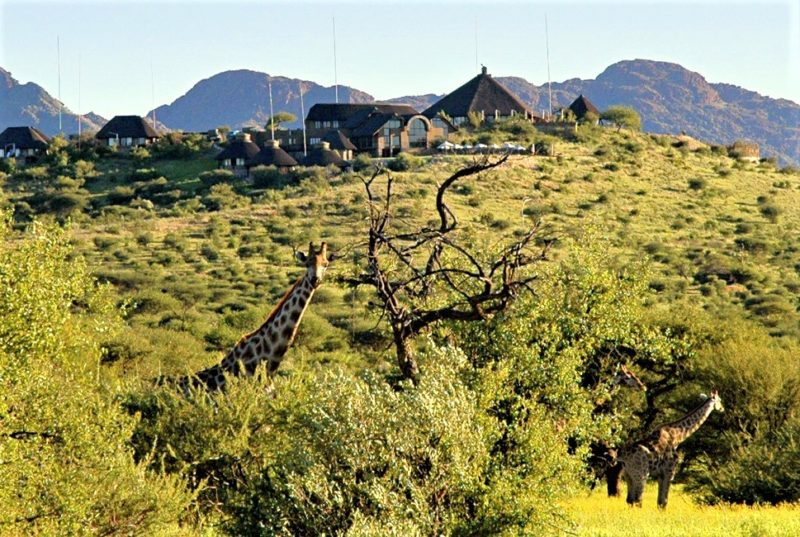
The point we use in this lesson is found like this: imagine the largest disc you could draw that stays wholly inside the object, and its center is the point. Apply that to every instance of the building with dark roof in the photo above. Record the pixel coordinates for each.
(239, 155)
(482, 95)
(25, 143)
(582, 106)
(323, 155)
(127, 131)
(380, 129)
(273, 155)
(338, 141)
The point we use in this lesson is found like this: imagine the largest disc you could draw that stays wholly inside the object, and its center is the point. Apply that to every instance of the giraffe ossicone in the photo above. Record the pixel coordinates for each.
(268, 344)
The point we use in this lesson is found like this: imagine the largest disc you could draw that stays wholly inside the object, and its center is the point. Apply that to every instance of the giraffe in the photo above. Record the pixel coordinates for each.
(607, 455)
(657, 455)
(270, 341)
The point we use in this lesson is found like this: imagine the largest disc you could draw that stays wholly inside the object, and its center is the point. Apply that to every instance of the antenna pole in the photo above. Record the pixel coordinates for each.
(271, 113)
(80, 116)
(58, 52)
(303, 119)
(335, 74)
(153, 92)
(547, 44)
(476, 44)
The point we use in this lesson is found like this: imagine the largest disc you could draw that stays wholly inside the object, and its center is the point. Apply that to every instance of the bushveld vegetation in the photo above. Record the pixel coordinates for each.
(680, 262)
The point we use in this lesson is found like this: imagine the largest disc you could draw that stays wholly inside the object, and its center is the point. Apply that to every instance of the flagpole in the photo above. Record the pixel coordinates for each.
(303, 119)
(271, 113)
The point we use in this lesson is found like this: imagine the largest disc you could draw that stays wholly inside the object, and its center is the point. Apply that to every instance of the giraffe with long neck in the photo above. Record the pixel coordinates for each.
(268, 344)
(623, 378)
(657, 455)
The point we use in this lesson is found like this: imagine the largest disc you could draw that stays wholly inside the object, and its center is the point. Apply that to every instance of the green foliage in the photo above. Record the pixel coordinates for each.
(66, 465)
(405, 162)
(622, 116)
(362, 162)
(697, 183)
(222, 196)
(278, 118)
(474, 119)
(215, 177)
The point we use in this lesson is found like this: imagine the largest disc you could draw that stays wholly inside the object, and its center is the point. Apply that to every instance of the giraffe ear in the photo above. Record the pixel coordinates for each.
(301, 256)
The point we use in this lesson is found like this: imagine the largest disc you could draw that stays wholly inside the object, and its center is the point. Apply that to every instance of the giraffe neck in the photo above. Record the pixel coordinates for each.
(683, 428)
(269, 342)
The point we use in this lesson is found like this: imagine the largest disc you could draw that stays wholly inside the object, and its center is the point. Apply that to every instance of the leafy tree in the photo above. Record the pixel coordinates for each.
(474, 119)
(278, 118)
(66, 468)
(622, 116)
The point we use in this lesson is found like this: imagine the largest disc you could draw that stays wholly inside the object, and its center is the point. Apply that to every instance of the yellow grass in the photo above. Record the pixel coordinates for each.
(597, 515)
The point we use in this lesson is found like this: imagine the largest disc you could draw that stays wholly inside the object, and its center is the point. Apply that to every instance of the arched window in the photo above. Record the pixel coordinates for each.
(417, 133)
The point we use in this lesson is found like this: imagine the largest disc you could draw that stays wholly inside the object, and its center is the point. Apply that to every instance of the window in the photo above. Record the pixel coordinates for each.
(318, 124)
(226, 163)
(127, 141)
(417, 133)
(441, 124)
(240, 162)
(335, 124)
(314, 141)
(326, 124)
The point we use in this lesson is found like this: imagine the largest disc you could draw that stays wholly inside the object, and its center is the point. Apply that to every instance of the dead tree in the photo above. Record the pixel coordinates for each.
(432, 273)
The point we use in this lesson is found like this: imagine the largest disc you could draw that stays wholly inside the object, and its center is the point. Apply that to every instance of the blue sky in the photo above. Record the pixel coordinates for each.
(387, 49)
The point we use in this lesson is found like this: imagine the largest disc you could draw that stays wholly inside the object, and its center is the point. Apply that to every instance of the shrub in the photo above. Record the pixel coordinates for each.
(67, 468)
(222, 196)
(215, 177)
(404, 162)
(770, 211)
(362, 162)
(270, 177)
(697, 183)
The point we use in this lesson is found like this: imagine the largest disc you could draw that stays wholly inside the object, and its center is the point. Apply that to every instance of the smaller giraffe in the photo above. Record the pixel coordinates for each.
(270, 342)
(609, 465)
(657, 455)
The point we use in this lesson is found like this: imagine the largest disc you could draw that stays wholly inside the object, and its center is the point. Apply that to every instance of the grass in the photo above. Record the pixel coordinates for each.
(596, 515)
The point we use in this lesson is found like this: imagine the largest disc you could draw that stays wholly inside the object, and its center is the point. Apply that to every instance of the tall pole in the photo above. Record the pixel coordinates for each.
(335, 74)
(153, 93)
(303, 119)
(271, 113)
(549, 89)
(476, 44)
(80, 116)
(58, 52)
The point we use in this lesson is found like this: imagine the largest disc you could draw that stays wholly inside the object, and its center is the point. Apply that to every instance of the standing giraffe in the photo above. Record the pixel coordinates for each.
(607, 455)
(657, 455)
(268, 343)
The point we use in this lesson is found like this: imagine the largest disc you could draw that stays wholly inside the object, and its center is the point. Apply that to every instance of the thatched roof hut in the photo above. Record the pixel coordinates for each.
(273, 155)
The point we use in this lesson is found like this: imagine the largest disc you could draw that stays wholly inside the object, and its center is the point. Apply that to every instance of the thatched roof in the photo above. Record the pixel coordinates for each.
(273, 155)
(127, 127)
(339, 141)
(481, 94)
(581, 106)
(323, 155)
(240, 148)
(24, 138)
(343, 112)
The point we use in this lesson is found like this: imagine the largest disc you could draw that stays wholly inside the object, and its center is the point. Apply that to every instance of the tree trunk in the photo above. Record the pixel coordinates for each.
(406, 360)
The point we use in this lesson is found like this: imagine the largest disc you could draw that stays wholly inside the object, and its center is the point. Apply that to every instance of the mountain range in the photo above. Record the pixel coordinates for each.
(669, 97)
(30, 105)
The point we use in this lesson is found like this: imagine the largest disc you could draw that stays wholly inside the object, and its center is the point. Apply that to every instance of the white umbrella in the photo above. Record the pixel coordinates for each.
(457, 147)
(509, 145)
(480, 147)
(444, 146)
(494, 146)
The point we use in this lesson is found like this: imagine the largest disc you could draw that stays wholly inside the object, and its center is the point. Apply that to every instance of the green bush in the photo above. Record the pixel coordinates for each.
(362, 162)
(67, 466)
(405, 162)
(697, 183)
(215, 177)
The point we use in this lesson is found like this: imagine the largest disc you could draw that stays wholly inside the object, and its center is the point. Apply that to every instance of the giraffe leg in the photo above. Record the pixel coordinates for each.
(613, 477)
(665, 480)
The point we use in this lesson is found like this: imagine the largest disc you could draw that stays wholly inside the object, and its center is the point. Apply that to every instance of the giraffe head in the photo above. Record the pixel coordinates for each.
(316, 262)
(624, 377)
(715, 401)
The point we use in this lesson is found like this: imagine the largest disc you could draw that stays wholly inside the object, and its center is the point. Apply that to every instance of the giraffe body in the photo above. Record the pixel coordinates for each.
(657, 455)
(268, 344)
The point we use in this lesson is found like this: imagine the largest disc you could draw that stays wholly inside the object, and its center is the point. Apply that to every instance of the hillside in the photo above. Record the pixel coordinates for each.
(675, 259)
(30, 105)
(240, 98)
